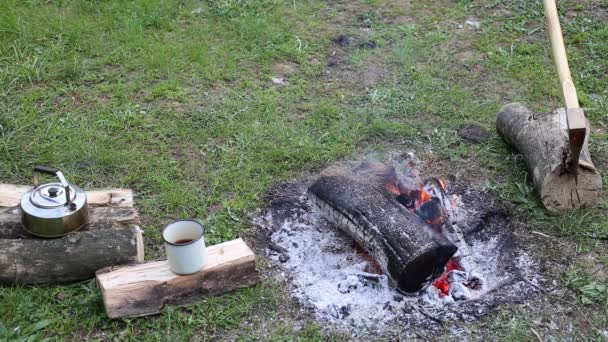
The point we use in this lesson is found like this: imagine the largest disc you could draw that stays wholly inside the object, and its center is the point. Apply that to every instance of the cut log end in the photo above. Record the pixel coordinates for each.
(422, 267)
(561, 191)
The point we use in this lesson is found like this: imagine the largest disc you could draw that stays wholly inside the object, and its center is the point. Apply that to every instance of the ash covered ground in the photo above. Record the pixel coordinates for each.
(333, 281)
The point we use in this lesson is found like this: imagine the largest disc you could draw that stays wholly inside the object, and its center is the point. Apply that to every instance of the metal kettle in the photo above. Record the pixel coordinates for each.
(53, 209)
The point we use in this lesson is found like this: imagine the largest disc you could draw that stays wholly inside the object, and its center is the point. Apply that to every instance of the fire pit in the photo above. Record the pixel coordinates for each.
(375, 246)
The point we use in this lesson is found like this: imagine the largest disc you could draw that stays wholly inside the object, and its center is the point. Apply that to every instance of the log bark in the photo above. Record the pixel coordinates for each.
(407, 249)
(112, 237)
(77, 257)
(542, 139)
(146, 289)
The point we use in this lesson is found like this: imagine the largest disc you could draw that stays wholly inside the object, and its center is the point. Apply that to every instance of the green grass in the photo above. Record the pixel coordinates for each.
(174, 99)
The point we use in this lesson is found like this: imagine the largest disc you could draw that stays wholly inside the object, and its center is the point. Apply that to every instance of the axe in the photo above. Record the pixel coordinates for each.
(577, 124)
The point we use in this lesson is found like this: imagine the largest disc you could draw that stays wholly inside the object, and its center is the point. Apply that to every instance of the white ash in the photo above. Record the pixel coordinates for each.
(473, 23)
(328, 276)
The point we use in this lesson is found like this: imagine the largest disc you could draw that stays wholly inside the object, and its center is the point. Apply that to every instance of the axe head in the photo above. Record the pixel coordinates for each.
(577, 131)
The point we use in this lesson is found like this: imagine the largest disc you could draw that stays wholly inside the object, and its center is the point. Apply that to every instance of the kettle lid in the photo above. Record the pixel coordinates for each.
(51, 195)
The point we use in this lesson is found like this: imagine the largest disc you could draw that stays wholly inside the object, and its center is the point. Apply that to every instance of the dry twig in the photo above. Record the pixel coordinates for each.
(537, 335)
(429, 315)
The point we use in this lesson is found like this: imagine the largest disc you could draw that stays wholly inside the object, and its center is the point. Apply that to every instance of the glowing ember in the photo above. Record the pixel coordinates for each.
(428, 207)
(442, 283)
(372, 265)
(392, 188)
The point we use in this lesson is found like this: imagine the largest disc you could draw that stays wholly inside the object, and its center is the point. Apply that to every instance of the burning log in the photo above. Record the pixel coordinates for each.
(406, 247)
(543, 141)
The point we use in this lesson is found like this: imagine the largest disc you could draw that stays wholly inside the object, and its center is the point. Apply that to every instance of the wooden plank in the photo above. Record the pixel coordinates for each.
(145, 289)
(110, 197)
(10, 196)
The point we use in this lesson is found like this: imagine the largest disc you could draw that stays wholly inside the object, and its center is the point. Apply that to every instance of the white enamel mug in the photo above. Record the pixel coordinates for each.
(185, 246)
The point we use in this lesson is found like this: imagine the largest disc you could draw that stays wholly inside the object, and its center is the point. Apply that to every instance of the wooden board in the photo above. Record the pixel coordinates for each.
(10, 196)
(112, 237)
(147, 288)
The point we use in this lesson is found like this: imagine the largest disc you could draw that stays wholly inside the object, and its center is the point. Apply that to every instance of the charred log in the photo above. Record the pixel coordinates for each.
(407, 249)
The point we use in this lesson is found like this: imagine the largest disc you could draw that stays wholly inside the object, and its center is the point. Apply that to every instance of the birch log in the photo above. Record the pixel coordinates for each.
(542, 139)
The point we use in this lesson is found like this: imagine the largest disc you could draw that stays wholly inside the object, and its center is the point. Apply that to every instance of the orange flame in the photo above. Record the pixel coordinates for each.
(441, 183)
(392, 188)
(372, 266)
(423, 196)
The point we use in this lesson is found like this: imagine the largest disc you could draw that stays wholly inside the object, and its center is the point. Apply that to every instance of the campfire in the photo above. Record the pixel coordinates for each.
(374, 243)
(413, 253)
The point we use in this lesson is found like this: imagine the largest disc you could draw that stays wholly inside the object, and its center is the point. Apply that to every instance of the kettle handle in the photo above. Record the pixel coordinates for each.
(53, 172)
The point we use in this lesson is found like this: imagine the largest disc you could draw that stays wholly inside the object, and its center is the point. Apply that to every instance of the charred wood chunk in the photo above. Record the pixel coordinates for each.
(409, 251)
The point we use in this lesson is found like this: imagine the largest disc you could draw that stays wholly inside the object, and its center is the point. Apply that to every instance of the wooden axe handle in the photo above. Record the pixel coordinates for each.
(559, 55)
